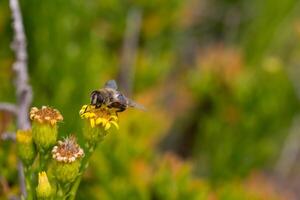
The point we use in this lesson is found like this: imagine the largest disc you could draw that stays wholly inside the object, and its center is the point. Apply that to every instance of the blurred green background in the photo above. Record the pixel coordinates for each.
(220, 80)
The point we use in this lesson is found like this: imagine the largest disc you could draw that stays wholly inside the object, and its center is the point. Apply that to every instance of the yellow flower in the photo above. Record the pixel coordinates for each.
(103, 116)
(98, 121)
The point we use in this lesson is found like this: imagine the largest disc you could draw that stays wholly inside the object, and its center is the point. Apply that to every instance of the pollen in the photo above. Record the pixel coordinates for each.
(45, 115)
(67, 151)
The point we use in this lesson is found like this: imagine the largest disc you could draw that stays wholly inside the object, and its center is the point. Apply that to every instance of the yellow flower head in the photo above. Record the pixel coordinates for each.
(45, 115)
(103, 116)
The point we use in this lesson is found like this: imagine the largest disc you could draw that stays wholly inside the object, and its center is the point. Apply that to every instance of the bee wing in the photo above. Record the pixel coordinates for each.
(133, 104)
(111, 84)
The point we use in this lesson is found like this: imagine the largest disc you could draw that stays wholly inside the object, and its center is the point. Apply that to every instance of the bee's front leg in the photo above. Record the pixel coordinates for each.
(121, 109)
(98, 105)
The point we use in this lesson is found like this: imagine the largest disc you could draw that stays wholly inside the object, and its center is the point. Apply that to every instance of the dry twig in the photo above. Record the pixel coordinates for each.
(8, 136)
(23, 89)
(8, 107)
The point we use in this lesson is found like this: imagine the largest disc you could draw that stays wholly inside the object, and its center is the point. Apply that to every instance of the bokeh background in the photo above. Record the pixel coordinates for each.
(220, 80)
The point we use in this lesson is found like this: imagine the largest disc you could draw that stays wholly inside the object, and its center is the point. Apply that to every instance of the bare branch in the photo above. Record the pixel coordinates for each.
(128, 56)
(23, 89)
(8, 136)
(8, 107)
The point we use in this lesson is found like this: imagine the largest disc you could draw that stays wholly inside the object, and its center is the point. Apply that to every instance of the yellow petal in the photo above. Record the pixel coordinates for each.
(99, 121)
(83, 107)
(115, 124)
(107, 126)
(104, 121)
(92, 121)
(114, 117)
(53, 122)
(84, 115)
(92, 115)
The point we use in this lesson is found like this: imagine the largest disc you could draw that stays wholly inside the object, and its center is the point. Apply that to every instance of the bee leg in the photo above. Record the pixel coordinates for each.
(98, 106)
(118, 106)
(121, 109)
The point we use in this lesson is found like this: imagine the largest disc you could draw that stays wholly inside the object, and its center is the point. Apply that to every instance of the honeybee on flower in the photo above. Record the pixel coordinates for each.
(110, 97)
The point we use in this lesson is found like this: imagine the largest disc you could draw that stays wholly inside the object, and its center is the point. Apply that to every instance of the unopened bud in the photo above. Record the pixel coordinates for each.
(43, 190)
(25, 146)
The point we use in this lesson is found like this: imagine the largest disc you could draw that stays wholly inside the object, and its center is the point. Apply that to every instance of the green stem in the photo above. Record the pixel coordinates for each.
(43, 157)
(73, 191)
(28, 181)
(62, 191)
(84, 166)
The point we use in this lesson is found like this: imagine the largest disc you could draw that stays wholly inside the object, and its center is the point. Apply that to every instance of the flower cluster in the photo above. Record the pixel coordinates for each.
(68, 160)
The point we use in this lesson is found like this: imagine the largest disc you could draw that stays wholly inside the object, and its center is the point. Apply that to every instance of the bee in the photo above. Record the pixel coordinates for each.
(112, 98)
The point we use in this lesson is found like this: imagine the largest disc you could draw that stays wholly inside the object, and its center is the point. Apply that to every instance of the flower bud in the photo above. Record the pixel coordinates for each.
(67, 155)
(98, 121)
(44, 128)
(25, 146)
(43, 190)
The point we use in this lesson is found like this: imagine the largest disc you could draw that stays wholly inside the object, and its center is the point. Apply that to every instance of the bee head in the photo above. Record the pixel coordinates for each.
(97, 98)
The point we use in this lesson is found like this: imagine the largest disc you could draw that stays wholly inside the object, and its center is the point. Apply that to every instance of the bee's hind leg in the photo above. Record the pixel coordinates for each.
(118, 106)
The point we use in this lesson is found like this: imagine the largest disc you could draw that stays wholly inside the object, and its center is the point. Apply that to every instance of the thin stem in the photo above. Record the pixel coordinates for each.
(65, 189)
(43, 158)
(73, 191)
(60, 193)
(84, 166)
(28, 181)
